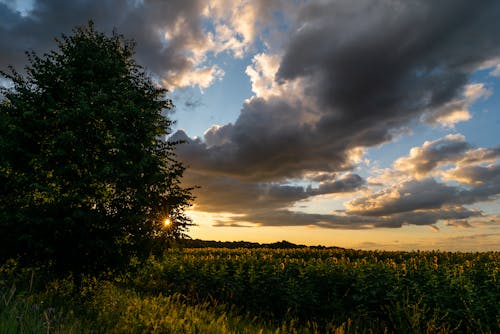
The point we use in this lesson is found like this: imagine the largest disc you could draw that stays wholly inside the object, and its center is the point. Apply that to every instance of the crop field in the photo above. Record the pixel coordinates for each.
(211, 290)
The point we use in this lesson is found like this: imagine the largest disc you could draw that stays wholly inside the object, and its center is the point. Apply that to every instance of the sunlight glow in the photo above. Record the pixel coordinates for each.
(167, 222)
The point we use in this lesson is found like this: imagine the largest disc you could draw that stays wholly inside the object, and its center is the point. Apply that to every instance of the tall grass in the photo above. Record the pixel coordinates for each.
(262, 291)
(112, 309)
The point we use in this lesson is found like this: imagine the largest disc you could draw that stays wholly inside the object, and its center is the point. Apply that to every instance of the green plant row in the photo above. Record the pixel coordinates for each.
(262, 291)
(395, 291)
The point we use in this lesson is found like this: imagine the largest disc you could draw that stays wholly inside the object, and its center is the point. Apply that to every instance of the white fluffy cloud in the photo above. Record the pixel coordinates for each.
(457, 110)
(422, 160)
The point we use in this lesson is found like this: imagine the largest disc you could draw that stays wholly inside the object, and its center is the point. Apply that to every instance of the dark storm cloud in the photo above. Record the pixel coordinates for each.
(372, 67)
(37, 30)
(457, 214)
(294, 218)
(242, 197)
(487, 185)
(387, 61)
(347, 183)
(350, 221)
(270, 141)
(144, 21)
(409, 196)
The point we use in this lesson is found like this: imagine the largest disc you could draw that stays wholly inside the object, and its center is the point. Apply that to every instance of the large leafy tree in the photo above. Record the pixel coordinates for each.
(87, 177)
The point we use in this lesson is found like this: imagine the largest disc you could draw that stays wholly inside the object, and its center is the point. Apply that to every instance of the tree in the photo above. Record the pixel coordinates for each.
(87, 177)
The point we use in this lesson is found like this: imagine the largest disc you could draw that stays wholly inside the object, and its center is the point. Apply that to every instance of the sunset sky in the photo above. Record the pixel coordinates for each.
(371, 124)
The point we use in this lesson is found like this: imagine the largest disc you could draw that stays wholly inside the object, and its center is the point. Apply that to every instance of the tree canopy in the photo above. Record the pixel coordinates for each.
(87, 176)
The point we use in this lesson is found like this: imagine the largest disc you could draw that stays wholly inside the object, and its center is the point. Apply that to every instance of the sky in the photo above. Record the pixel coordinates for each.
(370, 124)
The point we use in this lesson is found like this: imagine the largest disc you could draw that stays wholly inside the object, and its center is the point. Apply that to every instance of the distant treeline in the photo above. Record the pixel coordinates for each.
(198, 243)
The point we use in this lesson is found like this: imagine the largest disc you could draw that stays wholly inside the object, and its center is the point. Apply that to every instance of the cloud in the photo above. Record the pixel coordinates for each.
(272, 140)
(430, 217)
(459, 224)
(203, 77)
(342, 220)
(451, 151)
(347, 183)
(174, 39)
(406, 197)
(493, 65)
(356, 84)
(496, 71)
(345, 76)
(471, 242)
(293, 218)
(244, 197)
(473, 175)
(432, 154)
(262, 74)
(353, 75)
(478, 242)
(457, 110)
(480, 155)
(368, 65)
(238, 23)
(475, 172)
(427, 194)
(146, 21)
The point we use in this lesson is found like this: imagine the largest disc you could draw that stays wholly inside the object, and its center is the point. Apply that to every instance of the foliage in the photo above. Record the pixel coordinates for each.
(86, 174)
(384, 291)
(101, 306)
(264, 291)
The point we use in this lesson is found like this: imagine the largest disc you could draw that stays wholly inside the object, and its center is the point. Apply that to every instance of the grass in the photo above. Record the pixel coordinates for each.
(111, 309)
(262, 291)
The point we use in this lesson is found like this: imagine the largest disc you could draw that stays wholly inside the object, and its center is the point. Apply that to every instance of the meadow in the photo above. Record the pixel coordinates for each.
(302, 290)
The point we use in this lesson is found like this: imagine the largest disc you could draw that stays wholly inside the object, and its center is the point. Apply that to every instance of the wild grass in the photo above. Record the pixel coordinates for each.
(262, 291)
(112, 309)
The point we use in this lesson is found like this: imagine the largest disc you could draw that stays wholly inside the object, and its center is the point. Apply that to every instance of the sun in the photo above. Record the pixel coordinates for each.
(167, 222)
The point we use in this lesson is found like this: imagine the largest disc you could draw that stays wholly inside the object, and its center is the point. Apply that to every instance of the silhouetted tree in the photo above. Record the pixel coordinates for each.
(87, 177)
